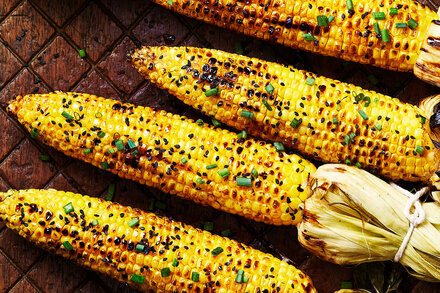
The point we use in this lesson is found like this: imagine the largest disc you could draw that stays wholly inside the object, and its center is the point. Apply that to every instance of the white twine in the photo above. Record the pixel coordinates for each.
(415, 218)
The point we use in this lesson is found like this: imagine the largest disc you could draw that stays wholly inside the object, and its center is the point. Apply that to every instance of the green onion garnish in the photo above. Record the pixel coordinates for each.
(133, 222)
(322, 20)
(195, 276)
(247, 114)
(175, 263)
(331, 18)
(139, 247)
(183, 160)
(212, 166)
(215, 122)
(137, 278)
(400, 25)
(242, 134)
(131, 144)
(111, 151)
(295, 123)
(376, 99)
(101, 134)
(216, 251)
(135, 152)
(34, 133)
(376, 28)
(82, 53)
(245, 279)
(335, 120)
(67, 245)
(110, 192)
(200, 122)
(239, 278)
(349, 4)
(120, 145)
(308, 37)
(68, 208)
(347, 161)
(310, 81)
(363, 114)
(200, 180)
(266, 104)
(412, 23)
(44, 158)
(243, 181)
(104, 165)
(269, 88)
(95, 222)
(358, 165)
(419, 149)
(223, 173)
(67, 116)
(378, 15)
(212, 92)
(238, 48)
(226, 233)
(385, 35)
(346, 285)
(278, 146)
(208, 226)
(352, 135)
(393, 11)
(170, 2)
(254, 173)
(378, 126)
(367, 100)
(422, 119)
(165, 272)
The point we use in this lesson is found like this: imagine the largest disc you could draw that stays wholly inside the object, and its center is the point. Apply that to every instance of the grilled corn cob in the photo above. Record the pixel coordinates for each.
(387, 34)
(209, 166)
(148, 252)
(323, 118)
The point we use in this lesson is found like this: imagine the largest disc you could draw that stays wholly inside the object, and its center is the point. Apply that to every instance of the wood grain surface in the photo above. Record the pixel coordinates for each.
(39, 53)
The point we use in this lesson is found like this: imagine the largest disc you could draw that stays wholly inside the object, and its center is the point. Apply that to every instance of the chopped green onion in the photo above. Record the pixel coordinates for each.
(131, 144)
(378, 126)
(308, 37)
(400, 25)
(346, 285)
(238, 48)
(245, 279)
(133, 222)
(254, 173)
(200, 122)
(385, 35)
(120, 145)
(67, 245)
(310, 81)
(295, 123)
(278, 146)
(243, 181)
(376, 28)
(215, 122)
(223, 173)
(393, 11)
(111, 151)
(170, 2)
(67, 116)
(175, 263)
(101, 134)
(110, 192)
(216, 251)
(367, 101)
(104, 165)
(137, 278)
(419, 149)
(358, 165)
(139, 247)
(44, 158)
(200, 180)
(269, 88)
(247, 114)
(378, 15)
(352, 135)
(331, 18)
(208, 226)
(349, 138)
(363, 114)
(135, 152)
(412, 23)
(347, 161)
(95, 222)
(349, 4)
(422, 119)
(68, 208)
(322, 20)
(239, 278)
(34, 133)
(376, 99)
(226, 233)
(266, 104)
(335, 120)
(195, 276)
(212, 166)
(183, 160)
(82, 53)
(242, 134)
(212, 92)
(165, 272)
(373, 79)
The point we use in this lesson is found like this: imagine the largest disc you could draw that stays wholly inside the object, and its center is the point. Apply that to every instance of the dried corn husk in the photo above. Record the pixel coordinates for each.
(354, 217)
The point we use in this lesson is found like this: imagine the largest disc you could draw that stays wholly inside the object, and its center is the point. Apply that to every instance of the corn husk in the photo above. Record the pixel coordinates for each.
(354, 217)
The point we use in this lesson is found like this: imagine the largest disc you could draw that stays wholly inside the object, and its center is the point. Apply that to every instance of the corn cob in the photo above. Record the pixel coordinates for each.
(344, 29)
(209, 166)
(148, 252)
(322, 118)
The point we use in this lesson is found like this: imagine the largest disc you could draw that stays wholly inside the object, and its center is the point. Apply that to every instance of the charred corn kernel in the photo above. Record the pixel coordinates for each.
(172, 154)
(156, 254)
(328, 120)
(347, 35)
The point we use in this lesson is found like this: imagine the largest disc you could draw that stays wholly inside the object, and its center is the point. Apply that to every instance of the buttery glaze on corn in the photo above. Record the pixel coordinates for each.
(350, 36)
(156, 145)
(387, 136)
(97, 235)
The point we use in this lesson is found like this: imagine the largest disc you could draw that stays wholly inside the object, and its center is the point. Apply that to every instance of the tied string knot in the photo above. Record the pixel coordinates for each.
(415, 218)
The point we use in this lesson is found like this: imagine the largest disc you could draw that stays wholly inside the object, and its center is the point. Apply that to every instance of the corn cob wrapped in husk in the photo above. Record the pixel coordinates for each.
(323, 118)
(387, 34)
(148, 252)
(354, 217)
(194, 161)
